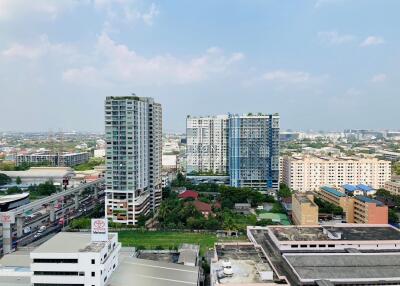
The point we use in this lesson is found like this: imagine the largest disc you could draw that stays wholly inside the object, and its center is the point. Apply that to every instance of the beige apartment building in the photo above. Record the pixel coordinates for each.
(304, 210)
(393, 187)
(357, 209)
(309, 173)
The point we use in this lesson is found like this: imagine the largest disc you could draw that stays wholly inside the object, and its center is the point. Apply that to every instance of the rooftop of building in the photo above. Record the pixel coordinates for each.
(246, 263)
(18, 258)
(15, 281)
(11, 198)
(188, 194)
(41, 172)
(369, 200)
(333, 191)
(345, 266)
(304, 198)
(71, 242)
(153, 273)
(348, 232)
(300, 157)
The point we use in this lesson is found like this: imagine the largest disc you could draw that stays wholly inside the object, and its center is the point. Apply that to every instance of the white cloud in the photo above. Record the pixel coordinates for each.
(334, 38)
(10, 9)
(117, 63)
(372, 41)
(379, 78)
(39, 49)
(127, 11)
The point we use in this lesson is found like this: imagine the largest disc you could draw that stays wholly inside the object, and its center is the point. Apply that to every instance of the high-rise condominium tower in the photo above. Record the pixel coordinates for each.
(133, 127)
(207, 144)
(245, 146)
(254, 151)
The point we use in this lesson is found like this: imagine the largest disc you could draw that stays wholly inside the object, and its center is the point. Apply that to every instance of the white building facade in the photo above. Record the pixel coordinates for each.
(207, 144)
(73, 259)
(308, 173)
(133, 127)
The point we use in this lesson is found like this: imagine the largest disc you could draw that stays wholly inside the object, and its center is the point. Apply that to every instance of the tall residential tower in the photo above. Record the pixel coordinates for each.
(207, 144)
(254, 151)
(133, 127)
(244, 146)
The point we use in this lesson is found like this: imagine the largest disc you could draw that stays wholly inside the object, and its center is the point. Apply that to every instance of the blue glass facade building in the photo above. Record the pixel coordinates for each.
(253, 151)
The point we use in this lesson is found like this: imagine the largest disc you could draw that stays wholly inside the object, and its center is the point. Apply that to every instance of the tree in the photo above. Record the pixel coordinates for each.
(18, 180)
(4, 179)
(393, 217)
(141, 221)
(284, 191)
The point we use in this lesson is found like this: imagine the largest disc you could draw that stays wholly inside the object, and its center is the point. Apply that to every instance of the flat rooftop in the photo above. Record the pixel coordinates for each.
(15, 281)
(246, 262)
(347, 267)
(16, 259)
(349, 232)
(153, 273)
(171, 257)
(71, 242)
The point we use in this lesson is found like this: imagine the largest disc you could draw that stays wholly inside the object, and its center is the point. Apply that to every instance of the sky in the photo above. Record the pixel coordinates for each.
(321, 64)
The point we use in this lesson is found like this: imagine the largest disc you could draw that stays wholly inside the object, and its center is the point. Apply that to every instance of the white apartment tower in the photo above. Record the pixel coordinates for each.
(133, 127)
(207, 144)
(308, 173)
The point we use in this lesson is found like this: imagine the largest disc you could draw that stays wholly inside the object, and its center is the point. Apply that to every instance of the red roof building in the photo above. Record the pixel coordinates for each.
(189, 195)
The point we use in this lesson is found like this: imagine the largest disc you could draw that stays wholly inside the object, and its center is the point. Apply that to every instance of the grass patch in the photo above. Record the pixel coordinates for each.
(169, 240)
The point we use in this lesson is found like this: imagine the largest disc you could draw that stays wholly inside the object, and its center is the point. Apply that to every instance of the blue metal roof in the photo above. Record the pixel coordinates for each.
(364, 188)
(349, 188)
(333, 191)
(369, 200)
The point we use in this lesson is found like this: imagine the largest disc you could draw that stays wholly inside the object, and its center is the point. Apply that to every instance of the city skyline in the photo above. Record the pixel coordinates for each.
(334, 60)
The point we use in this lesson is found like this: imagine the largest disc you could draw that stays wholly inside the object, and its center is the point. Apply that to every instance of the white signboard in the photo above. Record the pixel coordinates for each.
(99, 229)
(6, 217)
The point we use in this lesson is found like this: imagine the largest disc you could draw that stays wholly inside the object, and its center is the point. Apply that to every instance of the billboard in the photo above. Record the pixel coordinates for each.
(99, 229)
(6, 217)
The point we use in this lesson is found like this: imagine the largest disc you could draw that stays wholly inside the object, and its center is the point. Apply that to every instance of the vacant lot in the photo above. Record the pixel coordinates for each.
(168, 240)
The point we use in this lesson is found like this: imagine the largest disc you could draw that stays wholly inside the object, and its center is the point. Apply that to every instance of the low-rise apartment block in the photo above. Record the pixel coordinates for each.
(357, 209)
(393, 187)
(54, 160)
(304, 209)
(309, 173)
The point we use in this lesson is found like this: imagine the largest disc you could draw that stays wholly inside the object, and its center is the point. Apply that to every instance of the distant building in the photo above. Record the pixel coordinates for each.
(54, 160)
(393, 187)
(304, 210)
(358, 190)
(169, 162)
(309, 173)
(189, 195)
(388, 155)
(39, 175)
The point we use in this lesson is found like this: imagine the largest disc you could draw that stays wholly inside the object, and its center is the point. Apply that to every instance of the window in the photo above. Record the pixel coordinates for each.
(62, 260)
(92, 261)
(93, 274)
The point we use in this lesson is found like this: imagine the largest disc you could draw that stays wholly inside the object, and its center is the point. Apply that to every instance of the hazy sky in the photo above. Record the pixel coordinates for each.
(322, 64)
